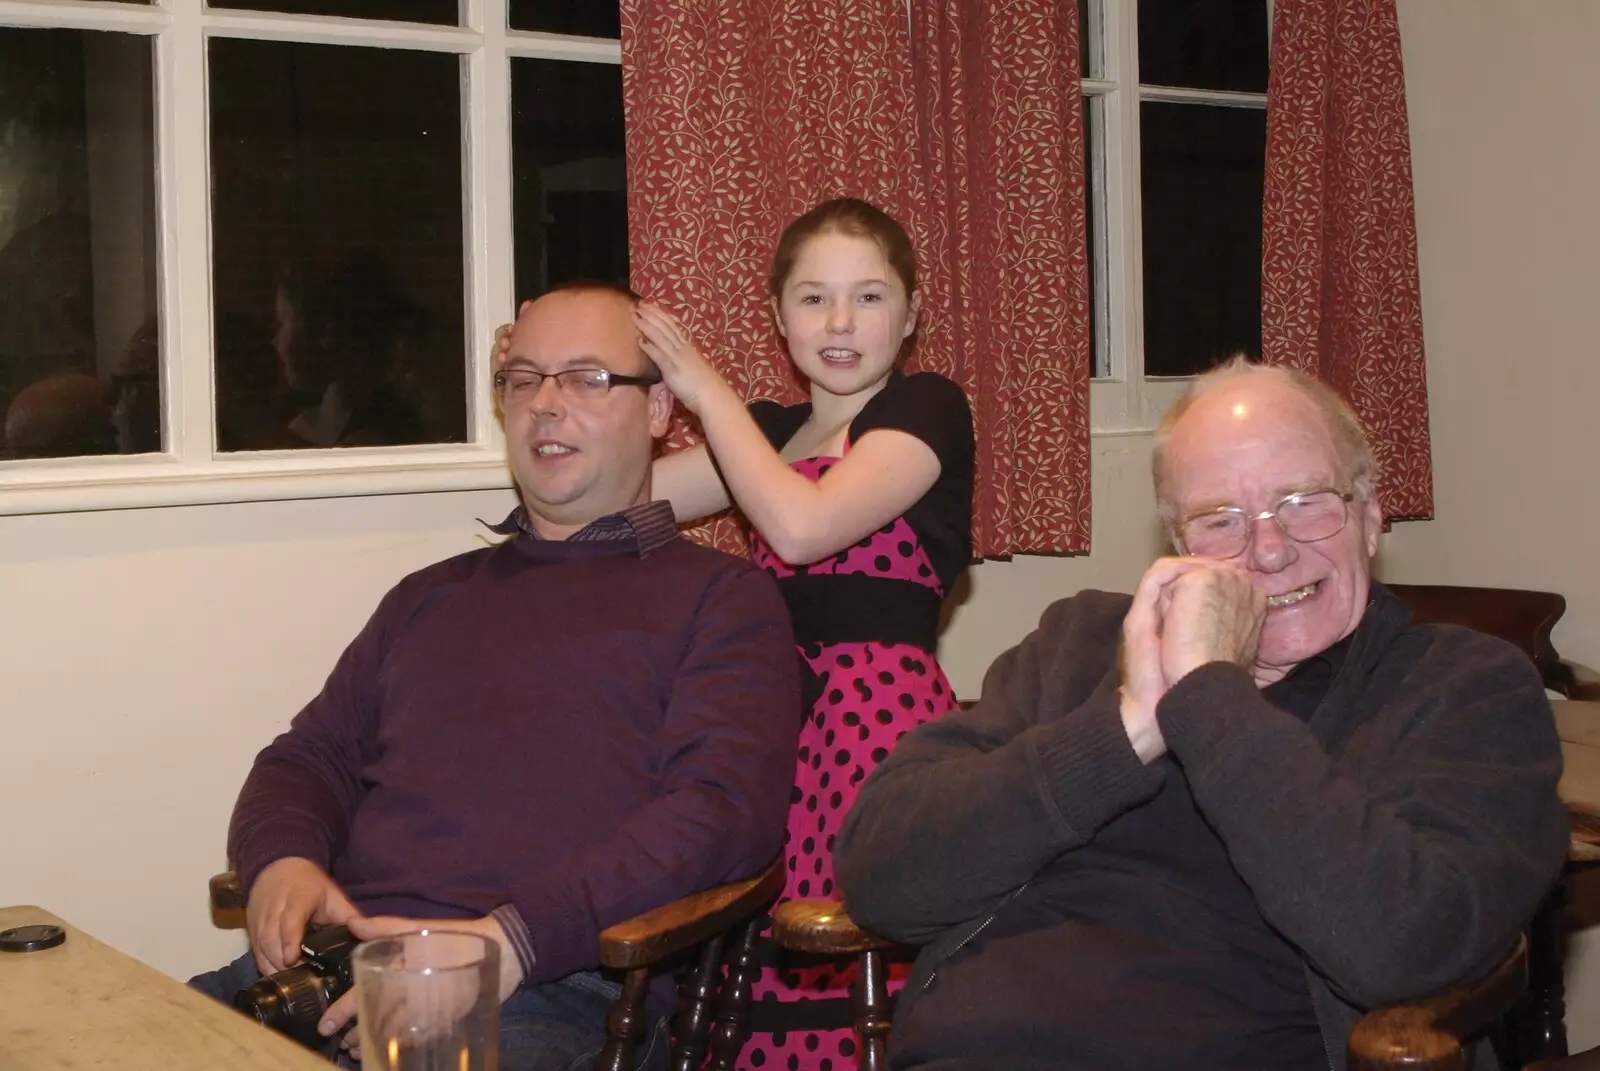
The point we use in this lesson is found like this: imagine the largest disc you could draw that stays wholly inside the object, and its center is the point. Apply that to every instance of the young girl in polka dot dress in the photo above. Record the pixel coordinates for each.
(860, 506)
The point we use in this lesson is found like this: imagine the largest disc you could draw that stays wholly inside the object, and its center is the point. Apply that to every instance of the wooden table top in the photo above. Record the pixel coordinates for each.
(85, 1005)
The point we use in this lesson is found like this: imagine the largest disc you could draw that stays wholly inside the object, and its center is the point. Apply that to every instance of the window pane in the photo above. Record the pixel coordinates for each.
(337, 245)
(1203, 169)
(1093, 154)
(569, 176)
(1089, 39)
(80, 353)
(1219, 44)
(436, 11)
(591, 18)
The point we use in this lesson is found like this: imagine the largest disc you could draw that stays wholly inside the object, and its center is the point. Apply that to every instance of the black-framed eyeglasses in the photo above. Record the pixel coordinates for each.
(1305, 517)
(513, 384)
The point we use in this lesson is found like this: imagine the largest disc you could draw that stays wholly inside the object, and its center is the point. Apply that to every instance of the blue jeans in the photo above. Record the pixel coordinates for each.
(555, 1026)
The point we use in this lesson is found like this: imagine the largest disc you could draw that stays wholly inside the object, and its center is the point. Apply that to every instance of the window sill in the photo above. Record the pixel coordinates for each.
(152, 480)
(1119, 406)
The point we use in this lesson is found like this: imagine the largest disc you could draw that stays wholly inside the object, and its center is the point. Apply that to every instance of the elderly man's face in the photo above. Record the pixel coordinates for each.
(1249, 443)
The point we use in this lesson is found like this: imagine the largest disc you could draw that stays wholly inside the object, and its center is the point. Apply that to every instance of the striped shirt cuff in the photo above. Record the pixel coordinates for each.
(516, 930)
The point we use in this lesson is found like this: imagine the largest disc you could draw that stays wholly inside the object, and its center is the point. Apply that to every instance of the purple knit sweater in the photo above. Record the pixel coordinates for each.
(571, 728)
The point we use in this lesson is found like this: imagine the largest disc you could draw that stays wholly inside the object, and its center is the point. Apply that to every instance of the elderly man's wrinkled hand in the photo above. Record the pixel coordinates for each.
(1143, 678)
(1214, 613)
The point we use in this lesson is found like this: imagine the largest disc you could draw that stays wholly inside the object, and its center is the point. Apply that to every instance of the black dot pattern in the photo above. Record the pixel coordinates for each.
(869, 696)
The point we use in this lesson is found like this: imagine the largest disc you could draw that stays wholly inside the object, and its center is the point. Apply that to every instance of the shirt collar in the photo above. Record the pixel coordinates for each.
(650, 525)
(1304, 687)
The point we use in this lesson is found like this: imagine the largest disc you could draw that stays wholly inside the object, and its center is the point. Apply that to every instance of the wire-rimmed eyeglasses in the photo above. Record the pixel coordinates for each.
(1305, 517)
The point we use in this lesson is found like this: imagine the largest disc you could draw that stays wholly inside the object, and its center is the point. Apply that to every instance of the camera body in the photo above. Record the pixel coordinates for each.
(293, 1000)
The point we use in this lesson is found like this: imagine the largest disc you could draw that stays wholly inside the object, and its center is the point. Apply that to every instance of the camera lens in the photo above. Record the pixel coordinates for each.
(290, 1002)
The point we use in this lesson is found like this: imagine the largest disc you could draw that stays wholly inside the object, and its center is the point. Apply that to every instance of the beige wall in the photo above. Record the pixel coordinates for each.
(146, 655)
(1505, 135)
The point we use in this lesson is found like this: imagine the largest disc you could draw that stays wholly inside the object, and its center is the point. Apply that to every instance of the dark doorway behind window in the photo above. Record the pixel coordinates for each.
(591, 18)
(1202, 171)
(1204, 44)
(569, 174)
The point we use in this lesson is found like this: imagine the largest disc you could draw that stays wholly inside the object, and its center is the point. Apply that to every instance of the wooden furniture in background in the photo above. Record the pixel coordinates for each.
(1523, 618)
(83, 1005)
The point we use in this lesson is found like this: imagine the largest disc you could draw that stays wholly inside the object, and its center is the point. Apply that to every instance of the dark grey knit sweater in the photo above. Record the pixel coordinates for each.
(1399, 840)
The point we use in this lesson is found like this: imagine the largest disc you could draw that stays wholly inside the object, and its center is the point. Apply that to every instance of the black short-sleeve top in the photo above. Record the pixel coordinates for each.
(935, 410)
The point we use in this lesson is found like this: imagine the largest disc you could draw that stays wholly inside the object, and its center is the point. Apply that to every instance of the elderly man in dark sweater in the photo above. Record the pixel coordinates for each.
(542, 738)
(1203, 827)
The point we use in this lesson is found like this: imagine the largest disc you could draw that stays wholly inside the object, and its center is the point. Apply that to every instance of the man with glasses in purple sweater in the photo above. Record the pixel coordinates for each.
(542, 738)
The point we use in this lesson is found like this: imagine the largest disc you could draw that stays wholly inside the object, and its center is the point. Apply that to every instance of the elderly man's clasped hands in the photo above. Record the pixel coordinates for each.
(1186, 612)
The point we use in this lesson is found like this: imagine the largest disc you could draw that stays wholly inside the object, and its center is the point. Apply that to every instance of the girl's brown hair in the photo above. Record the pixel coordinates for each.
(855, 218)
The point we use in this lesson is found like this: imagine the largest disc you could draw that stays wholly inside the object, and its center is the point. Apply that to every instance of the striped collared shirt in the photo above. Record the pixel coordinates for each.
(650, 525)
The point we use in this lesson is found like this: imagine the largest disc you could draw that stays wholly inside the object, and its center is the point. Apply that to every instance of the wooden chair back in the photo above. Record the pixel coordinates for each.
(1523, 618)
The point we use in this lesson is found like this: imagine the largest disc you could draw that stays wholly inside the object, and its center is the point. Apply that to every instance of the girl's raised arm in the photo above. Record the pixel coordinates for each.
(882, 476)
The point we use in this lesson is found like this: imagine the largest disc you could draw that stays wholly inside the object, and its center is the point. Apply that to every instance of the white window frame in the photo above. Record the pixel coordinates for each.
(1125, 401)
(190, 470)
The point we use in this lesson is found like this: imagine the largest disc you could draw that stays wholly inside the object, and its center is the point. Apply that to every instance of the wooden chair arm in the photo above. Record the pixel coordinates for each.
(1584, 682)
(822, 927)
(677, 927)
(226, 892)
(1588, 1060)
(639, 941)
(1426, 1035)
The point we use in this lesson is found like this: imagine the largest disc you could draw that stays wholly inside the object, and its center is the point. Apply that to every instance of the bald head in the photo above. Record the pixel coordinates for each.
(1305, 400)
(578, 455)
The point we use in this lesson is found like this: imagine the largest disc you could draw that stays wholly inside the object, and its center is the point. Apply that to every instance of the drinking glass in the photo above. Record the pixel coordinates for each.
(429, 1001)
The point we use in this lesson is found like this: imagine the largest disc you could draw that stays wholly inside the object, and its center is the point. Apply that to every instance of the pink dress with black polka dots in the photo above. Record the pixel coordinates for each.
(870, 695)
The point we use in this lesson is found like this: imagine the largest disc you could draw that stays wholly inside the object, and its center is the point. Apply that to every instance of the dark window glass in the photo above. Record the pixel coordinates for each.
(337, 245)
(1202, 171)
(1088, 41)
(1093, 147)
(80, 353)
(435, 11)
(590, 18)
(569, 175)
(1217, 44)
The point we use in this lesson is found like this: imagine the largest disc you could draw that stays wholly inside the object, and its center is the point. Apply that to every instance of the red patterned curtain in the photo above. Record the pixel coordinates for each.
(741, 115)
(1004, 239)
(1340, 293)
